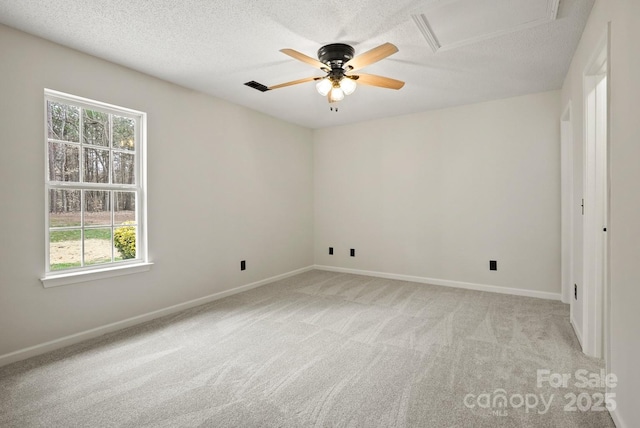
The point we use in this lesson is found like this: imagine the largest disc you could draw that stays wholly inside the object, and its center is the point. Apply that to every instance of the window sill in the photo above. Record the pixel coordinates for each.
(109, 272)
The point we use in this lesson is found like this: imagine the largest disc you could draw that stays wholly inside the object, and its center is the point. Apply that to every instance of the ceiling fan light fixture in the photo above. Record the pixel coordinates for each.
(324, 86)
(336, 60)
(336, 94)
(348, 85)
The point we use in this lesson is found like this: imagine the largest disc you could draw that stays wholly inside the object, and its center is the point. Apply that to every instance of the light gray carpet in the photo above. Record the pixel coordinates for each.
(319, 349)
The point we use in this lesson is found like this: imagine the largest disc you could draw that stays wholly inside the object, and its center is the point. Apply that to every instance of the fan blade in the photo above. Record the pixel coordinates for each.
(380, 81)
(369, 57)
(295, 82)
(304, 58)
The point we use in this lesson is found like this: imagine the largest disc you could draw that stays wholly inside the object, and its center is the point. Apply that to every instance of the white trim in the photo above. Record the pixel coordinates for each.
(447, 283)
(89, 104)
(112, 268)
(422, 22)
(423, 25)
(566, 205)
(577, 332)
(607, 250)
(93, 275)
(617, 420)
(32, 351)
(595, 145)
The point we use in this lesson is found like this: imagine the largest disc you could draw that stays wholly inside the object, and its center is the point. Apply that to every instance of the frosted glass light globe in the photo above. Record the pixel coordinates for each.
(336, 94)
(348, 85)
(324, 86)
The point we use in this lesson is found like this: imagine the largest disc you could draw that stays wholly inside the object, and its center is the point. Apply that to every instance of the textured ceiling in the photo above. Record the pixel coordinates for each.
(214, 46)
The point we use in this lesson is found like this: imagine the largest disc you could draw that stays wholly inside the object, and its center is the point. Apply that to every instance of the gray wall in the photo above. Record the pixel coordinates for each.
(438, 194)
(225, 184)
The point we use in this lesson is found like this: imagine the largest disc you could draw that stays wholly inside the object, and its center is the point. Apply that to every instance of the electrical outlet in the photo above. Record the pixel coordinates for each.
(353, 252)
(331, 250)
(243, 265)
(493, 265)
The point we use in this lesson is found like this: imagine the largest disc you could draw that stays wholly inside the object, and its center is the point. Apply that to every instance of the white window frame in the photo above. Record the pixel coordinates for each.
(105, 270)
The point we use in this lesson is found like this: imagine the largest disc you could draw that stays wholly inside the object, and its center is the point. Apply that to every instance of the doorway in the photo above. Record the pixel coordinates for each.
(596, 205)
(566, 207)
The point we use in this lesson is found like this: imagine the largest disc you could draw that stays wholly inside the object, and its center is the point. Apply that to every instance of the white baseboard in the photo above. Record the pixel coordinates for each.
(617, 420)
(446, 283)
(577, 332)
(32, 351)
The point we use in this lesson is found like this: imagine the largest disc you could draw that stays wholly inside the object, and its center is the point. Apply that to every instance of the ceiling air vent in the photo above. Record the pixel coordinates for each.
(255, 85)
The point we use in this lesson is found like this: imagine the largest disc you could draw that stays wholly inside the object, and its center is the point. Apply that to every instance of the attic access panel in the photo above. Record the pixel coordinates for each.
(448, 24)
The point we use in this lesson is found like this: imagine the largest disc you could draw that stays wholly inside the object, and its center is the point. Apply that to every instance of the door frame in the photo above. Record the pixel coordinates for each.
(566, 207)
(595, 287)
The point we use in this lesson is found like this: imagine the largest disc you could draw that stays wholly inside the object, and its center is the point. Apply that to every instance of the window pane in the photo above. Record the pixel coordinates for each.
(124, 168)
(92, 183)
(63, 121)
(96, 166)
(124, 207)
(96, 128)
(64, 162)
(124, 242)
(97, 246)
(97, 207)
(64, 208)
(64, 249)
(123, 133)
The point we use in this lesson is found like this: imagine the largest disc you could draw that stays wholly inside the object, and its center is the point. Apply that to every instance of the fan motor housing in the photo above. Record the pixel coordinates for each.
(336, 54)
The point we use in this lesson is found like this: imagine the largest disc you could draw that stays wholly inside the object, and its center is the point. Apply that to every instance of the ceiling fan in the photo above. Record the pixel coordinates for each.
(338, 62)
